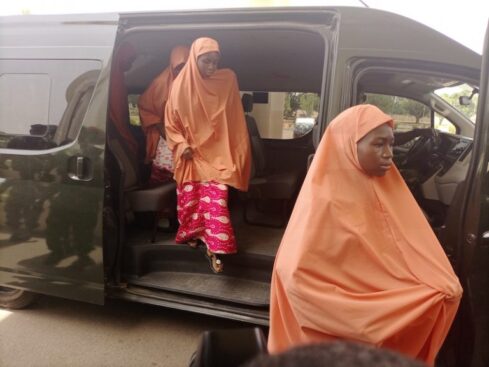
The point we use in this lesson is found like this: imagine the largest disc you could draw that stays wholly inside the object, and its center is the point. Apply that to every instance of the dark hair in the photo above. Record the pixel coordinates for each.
(335, 354)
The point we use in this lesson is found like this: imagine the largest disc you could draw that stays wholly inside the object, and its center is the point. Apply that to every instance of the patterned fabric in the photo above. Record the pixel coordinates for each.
(203, 214)
(162, 167)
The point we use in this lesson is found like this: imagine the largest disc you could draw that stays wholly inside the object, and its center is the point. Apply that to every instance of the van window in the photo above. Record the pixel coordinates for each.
(44, 101)
(284, 115)
(132, 100)
(407, 113)
(470, 95)
(15, 91)
(443, 124)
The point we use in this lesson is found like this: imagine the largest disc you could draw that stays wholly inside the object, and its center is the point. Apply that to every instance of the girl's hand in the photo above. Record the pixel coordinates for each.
(187, 154)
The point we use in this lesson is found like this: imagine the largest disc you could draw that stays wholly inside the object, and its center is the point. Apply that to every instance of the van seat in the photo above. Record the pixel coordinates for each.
(229, 347)
(160, 200)
(265, 186)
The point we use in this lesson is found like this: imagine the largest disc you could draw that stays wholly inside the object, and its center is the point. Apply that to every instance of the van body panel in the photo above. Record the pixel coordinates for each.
(473, 238)
(52, 157)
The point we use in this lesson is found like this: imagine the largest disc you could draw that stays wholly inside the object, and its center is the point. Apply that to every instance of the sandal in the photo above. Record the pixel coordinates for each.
(215, 262)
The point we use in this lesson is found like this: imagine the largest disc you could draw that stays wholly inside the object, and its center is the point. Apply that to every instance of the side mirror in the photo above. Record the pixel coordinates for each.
(467, 100)
(464, 100)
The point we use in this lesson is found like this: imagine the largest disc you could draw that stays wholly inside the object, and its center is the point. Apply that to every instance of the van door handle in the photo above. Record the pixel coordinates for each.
(80, 169)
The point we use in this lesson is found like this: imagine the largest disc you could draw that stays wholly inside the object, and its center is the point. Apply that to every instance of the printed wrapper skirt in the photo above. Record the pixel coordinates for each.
(203, 214)
(162, 166)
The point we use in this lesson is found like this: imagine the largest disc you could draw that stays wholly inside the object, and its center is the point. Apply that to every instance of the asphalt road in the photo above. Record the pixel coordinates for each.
(57, 332)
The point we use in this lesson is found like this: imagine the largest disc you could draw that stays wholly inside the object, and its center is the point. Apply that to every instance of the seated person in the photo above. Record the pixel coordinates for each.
(151, 107)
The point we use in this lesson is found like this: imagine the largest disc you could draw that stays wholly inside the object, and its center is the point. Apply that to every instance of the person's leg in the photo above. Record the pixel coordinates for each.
(219, 234)
(189, 208)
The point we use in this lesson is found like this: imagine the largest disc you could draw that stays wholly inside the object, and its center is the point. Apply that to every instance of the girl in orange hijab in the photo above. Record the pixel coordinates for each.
(358, 260)
(206, 131)
(151, 106)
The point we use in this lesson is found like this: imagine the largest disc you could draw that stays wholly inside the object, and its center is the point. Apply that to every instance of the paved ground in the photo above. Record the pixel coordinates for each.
(57, 332)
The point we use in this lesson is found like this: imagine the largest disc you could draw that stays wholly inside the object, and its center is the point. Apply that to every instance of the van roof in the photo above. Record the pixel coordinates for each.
(289, 59)
(360, 28)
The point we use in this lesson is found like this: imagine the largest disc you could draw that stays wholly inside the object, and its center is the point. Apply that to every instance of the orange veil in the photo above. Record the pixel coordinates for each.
(152, 102)
(207, 115)
(358, 260)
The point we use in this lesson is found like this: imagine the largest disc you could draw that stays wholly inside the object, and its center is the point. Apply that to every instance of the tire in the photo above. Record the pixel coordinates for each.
(15, 298)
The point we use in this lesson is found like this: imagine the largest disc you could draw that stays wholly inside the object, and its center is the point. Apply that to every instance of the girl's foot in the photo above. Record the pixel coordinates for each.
(215, 262)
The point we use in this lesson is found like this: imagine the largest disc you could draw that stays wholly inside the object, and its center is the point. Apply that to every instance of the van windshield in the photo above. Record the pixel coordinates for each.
(463, 97)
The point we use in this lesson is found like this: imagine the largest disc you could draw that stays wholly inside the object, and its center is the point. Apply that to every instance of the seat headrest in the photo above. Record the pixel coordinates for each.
(247, 101)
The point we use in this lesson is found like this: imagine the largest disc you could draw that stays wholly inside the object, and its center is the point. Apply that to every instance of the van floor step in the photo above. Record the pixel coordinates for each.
(220, 287)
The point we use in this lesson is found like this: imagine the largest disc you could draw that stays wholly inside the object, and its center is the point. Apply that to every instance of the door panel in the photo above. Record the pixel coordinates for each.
(474, 242)
(53, 114)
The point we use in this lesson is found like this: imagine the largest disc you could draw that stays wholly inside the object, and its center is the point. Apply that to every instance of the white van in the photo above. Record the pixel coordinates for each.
(78, 221)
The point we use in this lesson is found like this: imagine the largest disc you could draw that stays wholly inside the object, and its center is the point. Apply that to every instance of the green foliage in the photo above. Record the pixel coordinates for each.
(453, 98)
(413, 108)
(385, 103)
(133, 110)
(393, 105)
(308, 102)
(291, 104)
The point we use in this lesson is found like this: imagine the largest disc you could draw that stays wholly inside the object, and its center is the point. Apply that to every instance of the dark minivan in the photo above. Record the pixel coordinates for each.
(78, 220)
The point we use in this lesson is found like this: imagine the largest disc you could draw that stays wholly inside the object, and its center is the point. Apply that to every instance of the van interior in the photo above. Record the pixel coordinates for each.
(280, 73)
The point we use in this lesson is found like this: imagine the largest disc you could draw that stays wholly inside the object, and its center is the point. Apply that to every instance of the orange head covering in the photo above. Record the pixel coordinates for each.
(206, 115)
(119, 108)
(152, 102)
(358, 260)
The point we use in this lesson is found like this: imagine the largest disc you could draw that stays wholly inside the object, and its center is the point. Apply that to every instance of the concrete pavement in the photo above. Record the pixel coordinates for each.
(56, 332)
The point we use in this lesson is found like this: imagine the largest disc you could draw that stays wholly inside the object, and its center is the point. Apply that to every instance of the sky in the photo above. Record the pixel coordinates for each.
(464, 21)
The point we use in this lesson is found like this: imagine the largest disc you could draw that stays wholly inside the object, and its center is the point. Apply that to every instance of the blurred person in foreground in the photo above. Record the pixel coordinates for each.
(336, 354)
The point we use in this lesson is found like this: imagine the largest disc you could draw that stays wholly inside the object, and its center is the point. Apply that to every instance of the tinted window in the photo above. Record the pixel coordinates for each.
(43, 102)
(284, 115)
(18, 90)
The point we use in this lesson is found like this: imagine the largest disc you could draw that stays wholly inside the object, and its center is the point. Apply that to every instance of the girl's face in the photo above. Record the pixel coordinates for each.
(375, 150)
(207, 63)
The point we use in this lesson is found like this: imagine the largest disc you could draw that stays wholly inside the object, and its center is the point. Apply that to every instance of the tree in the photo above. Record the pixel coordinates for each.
(309, 102)
(413, 108)
(291, 104)
(385, 103)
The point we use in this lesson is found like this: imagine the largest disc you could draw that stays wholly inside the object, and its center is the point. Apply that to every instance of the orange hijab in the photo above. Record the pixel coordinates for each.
(152, 102)
(358, 260)
(119, 107)
(207, 115)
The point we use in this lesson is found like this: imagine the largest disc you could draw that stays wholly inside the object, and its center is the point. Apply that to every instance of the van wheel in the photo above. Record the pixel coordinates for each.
(15, 298)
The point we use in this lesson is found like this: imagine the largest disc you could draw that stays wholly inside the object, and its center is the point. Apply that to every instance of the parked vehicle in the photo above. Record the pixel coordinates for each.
(77, 220)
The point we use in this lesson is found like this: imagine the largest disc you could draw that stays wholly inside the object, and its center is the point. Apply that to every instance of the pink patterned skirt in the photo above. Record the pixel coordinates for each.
(203, 214)
(162, 166)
